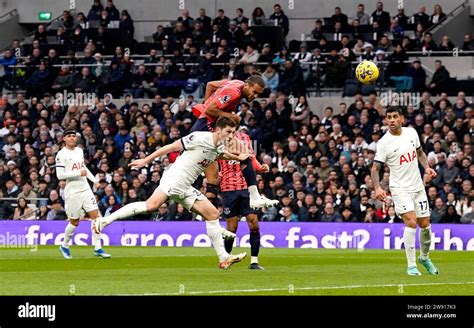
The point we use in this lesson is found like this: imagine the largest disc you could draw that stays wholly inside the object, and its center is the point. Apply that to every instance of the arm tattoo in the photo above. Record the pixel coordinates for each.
(374, 174)
(422, 157)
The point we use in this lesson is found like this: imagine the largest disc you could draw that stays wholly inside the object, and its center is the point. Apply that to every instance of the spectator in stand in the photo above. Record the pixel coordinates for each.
(185, 19)
(250, 56)
(381, 16)
(468, 43)
(338, 16)
(258, 16)
(281, 18)
(221, 20)
(67, 20)
(446, 44)
(401, 18)
(421, 17)
(437, 16)
(361, 16)
(95, 10)
(396, 29)
(427, 44)
(240, 18)
(418, 74)
(23, 211)
(440, 79)
(318, 31)
(113, 12)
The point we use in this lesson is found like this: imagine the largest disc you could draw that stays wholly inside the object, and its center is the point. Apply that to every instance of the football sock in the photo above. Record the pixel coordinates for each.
(254, 243)
(250, 177)
(253, 192)
(68, 232)
(214, 231)
(425, 241)
(228, 245)
(127, 211)
(409, 241)
(95, 238)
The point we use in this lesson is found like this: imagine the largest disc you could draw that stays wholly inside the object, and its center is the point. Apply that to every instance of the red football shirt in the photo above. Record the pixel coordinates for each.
(227, 97)
(231, 174)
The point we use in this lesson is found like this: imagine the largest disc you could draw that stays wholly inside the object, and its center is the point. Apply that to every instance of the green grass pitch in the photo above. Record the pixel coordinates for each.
(194, 271)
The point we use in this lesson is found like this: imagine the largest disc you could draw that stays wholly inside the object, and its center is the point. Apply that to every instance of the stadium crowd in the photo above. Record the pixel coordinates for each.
(320, 166)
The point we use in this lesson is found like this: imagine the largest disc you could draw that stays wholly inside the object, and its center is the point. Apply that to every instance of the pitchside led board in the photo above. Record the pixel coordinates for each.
(274, 234)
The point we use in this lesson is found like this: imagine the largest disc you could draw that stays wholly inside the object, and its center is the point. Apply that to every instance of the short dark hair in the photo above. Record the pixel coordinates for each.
(255, 79)
(395, 109)
(224, 122)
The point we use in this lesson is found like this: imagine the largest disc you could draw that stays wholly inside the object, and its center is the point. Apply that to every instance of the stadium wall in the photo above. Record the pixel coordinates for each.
(148, 12)
(455, 27)
(273, 235)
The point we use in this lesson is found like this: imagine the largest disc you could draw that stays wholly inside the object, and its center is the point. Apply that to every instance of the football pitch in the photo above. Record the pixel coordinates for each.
(194, 271)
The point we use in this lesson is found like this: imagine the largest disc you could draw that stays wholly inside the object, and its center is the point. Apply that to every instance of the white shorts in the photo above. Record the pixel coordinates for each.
(77, 203)
(186, 197)
(411, 201)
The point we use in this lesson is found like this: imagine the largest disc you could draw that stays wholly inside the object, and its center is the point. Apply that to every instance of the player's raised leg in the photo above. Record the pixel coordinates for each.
(215, 232)
(150, 205)
(248, 171)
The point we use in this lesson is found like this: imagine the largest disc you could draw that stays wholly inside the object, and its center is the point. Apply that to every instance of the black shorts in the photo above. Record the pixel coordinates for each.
(203, 124)
(236, 203)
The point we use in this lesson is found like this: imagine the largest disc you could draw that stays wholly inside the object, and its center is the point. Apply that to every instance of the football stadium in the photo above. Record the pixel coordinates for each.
(213, 147)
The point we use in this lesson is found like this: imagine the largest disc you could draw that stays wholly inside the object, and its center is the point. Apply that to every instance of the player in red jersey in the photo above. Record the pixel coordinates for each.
(236, 200)
(221, 100)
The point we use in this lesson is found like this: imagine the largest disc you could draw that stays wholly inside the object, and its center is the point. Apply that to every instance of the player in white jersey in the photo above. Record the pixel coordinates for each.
(200, 149)
(401, 151)
(78, 194)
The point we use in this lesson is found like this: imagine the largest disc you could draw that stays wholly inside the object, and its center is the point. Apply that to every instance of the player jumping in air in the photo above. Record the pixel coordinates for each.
(78, 194)
(236, 200)
(200, 149)
(221, 100)
(401, 151)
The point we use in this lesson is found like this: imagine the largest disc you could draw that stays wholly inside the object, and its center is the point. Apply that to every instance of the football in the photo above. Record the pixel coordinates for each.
(367, 72)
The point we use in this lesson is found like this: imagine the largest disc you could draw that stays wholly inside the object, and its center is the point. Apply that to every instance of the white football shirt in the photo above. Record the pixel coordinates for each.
(199, 152)
(399, 153)
(68, 167)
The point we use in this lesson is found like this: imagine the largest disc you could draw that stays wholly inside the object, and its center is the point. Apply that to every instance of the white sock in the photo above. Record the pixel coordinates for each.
(425, 241)
(253, 192)
(126, 211)
(409, 241)
(68, 232)
(214, 231)
(95, 238)
(254, 259)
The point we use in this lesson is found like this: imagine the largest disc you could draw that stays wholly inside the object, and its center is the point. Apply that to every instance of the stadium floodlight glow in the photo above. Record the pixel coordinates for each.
(44, 16)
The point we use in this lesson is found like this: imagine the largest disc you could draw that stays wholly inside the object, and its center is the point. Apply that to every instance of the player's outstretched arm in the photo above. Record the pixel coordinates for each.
(214, 111)
(211, 87)
(231, 157)
(374, 174)
(175, 146)
(424, 162)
